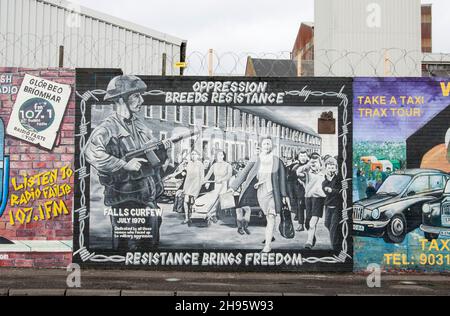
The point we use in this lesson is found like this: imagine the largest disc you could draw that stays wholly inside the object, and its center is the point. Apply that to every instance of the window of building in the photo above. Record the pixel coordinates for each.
(233, 120)
(217, 116)
(163, 112)
(263, 126)
(192, 115)
(178, 113)
(148, 112)
(205, 116)
(230, 117)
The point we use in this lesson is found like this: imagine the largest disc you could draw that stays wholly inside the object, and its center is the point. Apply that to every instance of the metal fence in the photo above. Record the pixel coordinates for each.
(29, 50)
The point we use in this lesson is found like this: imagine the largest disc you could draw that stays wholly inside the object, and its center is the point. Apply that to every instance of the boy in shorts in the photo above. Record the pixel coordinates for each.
(315, 197)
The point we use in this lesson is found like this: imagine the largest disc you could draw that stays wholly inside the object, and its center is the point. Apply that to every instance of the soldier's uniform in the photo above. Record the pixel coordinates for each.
(106, 149)
(114, 139)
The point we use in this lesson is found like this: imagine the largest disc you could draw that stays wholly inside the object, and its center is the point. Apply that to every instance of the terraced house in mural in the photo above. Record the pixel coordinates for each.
(240, 127)
(400, 175)
(206, 173)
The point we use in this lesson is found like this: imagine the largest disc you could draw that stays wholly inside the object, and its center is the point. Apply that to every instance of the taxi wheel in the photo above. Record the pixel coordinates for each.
(396, 230)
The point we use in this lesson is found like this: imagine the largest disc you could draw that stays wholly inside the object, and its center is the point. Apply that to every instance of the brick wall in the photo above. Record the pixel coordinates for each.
(28, 159)
(37, 260)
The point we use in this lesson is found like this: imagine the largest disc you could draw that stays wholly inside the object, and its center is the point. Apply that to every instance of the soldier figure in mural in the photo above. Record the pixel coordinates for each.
(132, 182)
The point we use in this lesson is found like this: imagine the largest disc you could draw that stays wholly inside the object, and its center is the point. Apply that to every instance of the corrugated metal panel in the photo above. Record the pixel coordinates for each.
(31, 32)
(346, 45)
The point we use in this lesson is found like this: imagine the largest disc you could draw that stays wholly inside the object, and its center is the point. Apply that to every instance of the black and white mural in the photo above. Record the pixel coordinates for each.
(226, 174)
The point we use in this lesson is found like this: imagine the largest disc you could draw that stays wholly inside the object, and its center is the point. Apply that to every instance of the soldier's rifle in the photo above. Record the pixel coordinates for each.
(151, 147)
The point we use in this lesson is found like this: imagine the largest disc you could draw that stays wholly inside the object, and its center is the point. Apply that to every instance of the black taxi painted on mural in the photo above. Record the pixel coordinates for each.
(396, 209)
(436, 216)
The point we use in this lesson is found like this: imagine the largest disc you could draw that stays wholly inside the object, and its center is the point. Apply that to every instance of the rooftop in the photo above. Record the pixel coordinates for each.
(436, 58)
(274, 67)
(69, 6)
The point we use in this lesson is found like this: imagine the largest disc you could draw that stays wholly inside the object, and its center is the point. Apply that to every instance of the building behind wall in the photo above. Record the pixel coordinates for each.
(427, 28)
(433, 64)
(303, 51)
(32, 33)
(345, 30)
(260, 67)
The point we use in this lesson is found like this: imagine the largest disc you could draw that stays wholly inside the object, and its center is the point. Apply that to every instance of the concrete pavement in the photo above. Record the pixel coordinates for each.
(20, 282)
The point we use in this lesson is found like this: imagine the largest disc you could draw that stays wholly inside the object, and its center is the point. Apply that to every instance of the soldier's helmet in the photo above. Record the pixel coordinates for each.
(121, 86)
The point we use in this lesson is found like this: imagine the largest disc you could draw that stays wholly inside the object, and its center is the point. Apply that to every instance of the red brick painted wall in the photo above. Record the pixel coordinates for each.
(29, 159)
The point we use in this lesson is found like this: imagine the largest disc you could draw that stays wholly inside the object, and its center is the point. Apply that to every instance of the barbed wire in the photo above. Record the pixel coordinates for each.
(32, 51)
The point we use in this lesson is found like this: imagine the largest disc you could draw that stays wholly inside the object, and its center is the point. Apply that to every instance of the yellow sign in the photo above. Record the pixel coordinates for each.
(181, 65)
(445, 89)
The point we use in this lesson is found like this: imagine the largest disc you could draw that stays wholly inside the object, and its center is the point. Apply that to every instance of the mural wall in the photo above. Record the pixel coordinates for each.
(223, 174)
(400, 176)
(37, 113)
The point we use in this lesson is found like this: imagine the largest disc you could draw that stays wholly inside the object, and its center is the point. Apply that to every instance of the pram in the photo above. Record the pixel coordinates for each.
(204, 209)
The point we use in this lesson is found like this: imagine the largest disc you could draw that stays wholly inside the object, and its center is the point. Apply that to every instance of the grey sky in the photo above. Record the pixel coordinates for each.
(237, 25)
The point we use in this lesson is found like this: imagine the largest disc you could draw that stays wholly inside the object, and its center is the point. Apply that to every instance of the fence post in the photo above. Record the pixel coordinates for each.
(61, 56)
(183, 56)
(210, 62)
(164, 64)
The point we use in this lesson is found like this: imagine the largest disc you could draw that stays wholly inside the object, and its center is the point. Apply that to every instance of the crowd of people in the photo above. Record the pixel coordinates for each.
(369, 180)
(309, 184)
(132, 174)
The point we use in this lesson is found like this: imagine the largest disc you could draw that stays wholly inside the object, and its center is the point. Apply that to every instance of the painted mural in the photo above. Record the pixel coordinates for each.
(36, 167)
(224, 174)
(213, 174)
(401, 167)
